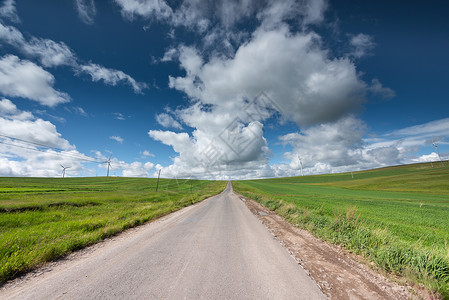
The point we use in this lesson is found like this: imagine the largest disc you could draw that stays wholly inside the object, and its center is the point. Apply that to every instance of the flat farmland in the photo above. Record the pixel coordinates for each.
(42, 219)
(397, 217)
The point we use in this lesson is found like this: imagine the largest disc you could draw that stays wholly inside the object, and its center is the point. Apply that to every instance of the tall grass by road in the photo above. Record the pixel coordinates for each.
(396, 217)
(42, 219)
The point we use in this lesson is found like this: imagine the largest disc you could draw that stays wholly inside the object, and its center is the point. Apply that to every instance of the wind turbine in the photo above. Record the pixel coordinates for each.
(63, 170)
(300, 163)
(438, 152)
(109, 163)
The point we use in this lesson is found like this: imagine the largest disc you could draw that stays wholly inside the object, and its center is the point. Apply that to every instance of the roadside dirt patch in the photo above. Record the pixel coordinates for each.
(339, 273)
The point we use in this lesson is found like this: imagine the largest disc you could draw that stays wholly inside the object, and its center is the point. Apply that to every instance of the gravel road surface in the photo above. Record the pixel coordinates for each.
(216, 249)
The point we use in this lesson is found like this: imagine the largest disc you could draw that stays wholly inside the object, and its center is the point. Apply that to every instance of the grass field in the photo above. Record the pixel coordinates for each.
(42, 219)
(397, 217)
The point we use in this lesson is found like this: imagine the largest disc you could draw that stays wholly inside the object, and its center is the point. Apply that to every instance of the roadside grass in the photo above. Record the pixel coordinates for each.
(396, 217)
(43, 219)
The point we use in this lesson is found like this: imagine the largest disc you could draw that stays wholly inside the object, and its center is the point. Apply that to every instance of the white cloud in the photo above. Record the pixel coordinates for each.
(112, 76)
(301, 83)
(332, 146)
(137, 169)
(305, 83)
(179, 141)
(86, 10)
(314, 12)
(427, 130)
(169, 55)
(411, 139)
(9, 110)
(22, 78)
(147, 153)
(80, 111)
(8, 11)
(167, 121)
(219, 23)
(432, 157)
(385, 156)
(23, 125)
(240, 150)
(378, 89)
(362, 45)
(119, 116)
(341, 147)
(7, 107)
(144, 8)
(207, 16)
(200, 15)
(193, 14)
(11, 35)
(49, 53)
(306, 11)
(118, 139)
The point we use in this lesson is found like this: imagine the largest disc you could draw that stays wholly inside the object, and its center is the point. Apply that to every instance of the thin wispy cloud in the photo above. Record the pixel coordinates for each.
(8, 11)
(112, 76)
(167, 121)
(86, 11)
(116, 138)
(119, 116)
(362, 44)
(147, 153)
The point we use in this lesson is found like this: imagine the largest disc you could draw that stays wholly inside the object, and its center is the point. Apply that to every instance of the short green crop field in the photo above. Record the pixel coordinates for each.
(42, 219)
(397, 217)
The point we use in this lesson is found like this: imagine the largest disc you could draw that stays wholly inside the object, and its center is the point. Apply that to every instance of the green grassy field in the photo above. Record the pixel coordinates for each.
(42, 219)
(397, 217)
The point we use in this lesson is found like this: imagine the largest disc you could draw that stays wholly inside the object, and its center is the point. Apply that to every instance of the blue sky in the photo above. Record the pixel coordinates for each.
(221, 89)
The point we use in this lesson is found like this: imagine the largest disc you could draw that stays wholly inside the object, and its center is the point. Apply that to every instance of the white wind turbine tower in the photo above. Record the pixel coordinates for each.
(109, 164)
(300, 164)
(436, 147)
(63, 170)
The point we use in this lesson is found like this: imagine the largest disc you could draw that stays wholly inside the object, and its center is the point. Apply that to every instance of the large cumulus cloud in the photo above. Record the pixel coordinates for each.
(298, 80)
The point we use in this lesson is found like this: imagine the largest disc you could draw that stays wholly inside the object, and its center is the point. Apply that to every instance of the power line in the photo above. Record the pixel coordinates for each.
(19, 146)
(29, 142)
(72, 155)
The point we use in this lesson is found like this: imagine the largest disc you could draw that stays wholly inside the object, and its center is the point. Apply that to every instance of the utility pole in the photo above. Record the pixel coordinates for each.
(158, 176)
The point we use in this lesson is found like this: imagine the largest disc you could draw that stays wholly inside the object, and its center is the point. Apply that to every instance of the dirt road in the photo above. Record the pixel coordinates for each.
(216, 249)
